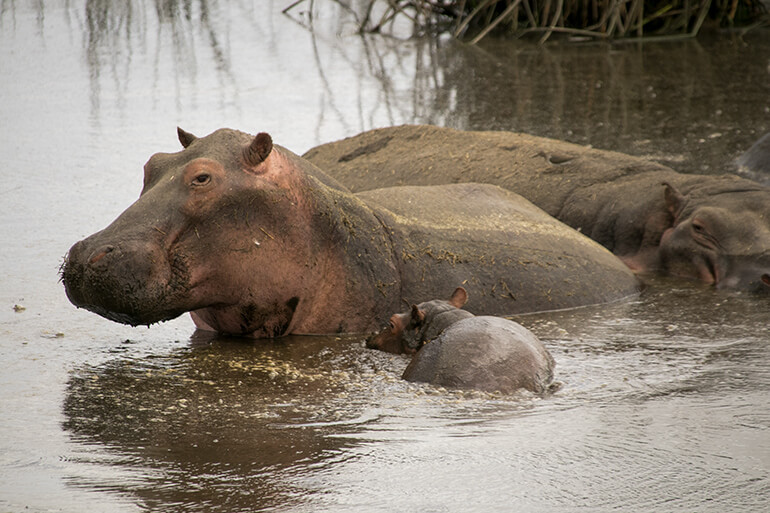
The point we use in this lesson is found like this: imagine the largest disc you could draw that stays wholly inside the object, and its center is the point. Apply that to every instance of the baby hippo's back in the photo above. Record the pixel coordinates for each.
(484, 353)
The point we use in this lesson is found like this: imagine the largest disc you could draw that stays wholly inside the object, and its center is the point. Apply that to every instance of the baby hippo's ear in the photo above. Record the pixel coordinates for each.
(418, 316)
(459, 297)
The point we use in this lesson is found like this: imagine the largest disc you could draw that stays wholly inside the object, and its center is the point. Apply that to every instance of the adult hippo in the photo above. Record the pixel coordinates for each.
(254, 240)
(712, 228)
(454, 348)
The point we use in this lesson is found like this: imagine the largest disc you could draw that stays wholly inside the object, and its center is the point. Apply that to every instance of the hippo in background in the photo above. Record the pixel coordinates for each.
(715, 229)
(755, 163)
(255, 241)
(454, 348)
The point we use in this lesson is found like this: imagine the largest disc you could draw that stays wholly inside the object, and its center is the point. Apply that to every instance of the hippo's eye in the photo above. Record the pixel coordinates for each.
(698, 228)
(703, 235)
(201, 179)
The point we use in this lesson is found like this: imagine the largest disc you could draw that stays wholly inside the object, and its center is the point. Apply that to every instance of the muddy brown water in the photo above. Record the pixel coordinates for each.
(664, 404)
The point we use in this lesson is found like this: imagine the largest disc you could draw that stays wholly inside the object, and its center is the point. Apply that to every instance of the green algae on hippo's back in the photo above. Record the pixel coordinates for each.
(253, 240)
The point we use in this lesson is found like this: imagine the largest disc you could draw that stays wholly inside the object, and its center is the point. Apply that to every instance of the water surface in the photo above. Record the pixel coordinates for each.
(664, 404)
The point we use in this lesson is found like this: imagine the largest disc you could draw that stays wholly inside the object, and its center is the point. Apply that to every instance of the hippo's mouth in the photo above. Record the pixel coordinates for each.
(746, 273)
(123, 287)
(708, 272)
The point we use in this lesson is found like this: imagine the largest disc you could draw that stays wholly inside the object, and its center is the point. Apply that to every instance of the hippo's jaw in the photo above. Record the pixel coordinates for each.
(127, 282)
(728, 272)
(267, 320)
(751, 274)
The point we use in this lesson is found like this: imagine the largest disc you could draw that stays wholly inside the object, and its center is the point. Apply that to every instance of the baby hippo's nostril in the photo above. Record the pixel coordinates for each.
(100, 253)
(371, 341)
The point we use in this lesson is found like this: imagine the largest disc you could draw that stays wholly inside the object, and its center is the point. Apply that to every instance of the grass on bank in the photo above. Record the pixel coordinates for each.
(472, 20)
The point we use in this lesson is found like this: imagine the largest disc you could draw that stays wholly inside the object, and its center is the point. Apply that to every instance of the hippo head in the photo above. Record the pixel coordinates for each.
(407, 332)
(719, 236)
(222, 229)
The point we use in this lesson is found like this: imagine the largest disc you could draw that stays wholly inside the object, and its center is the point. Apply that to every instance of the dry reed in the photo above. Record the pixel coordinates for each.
(472, 20)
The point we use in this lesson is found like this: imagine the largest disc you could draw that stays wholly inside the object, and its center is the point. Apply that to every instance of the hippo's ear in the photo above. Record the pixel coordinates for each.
(186, 138)
(418, 316)
(674, 199)
(459, 297)
(258, 150)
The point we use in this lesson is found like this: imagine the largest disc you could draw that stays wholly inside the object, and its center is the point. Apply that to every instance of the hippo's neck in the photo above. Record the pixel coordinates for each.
(626, 215)
(307, 168)
(358, 279)
(441, 320)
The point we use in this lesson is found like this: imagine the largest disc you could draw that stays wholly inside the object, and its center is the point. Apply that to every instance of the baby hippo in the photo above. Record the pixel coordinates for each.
(454, 348)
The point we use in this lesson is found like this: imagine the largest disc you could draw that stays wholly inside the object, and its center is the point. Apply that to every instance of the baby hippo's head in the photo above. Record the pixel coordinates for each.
(407, 332)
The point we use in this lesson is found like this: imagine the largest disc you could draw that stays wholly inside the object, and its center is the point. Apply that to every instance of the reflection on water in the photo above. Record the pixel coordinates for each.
(664, 403)
(693, 104)
(203, 426)
(115, 32)
(689, 104)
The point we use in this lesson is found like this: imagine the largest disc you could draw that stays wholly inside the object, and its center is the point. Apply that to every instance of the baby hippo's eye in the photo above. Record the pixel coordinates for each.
(201, 179)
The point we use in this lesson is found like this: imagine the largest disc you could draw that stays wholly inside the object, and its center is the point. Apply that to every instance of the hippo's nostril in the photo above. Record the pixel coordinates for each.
(100, 253)
(766, 279)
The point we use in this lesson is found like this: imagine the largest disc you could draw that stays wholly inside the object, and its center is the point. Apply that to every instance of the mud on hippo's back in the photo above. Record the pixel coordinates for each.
(715, 229)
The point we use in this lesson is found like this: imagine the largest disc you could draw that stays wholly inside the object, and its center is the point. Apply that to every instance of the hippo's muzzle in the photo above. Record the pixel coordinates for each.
(131, 282)
(749, 273)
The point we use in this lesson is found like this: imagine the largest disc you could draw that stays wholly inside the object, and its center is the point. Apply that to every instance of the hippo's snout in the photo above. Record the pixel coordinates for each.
(371, 340)
(748, 273)
(753, 283)
(128, 282)
(100, 253)
(389, 339)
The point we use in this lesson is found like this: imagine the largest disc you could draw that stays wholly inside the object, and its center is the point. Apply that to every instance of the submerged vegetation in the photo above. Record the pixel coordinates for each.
(471, 20)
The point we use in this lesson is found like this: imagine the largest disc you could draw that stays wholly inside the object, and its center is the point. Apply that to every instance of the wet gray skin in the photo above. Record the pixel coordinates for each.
(715, 229)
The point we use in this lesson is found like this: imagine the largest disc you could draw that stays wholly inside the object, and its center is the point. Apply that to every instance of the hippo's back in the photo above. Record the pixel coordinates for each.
(544, 170)
(510, 255)
(484, 353)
